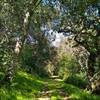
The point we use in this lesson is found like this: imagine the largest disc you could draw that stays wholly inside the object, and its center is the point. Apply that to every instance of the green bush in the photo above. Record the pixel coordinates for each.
(76, 80)
(67, 66)
(36, 59)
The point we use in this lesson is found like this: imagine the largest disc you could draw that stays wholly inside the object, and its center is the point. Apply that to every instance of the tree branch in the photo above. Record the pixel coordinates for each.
(27, 20)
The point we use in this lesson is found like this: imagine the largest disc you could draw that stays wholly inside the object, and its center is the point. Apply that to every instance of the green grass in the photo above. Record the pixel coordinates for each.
(29, 87)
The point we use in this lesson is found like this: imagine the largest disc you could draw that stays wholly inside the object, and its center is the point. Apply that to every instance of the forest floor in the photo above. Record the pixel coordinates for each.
(31, 87)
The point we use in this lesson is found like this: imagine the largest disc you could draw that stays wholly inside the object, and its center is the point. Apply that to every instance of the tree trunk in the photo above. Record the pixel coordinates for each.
(91, 62)
(91, 69)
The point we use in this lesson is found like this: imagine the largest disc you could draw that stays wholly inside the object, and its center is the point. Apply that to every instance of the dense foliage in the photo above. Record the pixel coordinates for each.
(28, 29)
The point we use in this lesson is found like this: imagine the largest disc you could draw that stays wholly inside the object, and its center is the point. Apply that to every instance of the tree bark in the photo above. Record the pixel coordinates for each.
(91, 69)
(91, 61)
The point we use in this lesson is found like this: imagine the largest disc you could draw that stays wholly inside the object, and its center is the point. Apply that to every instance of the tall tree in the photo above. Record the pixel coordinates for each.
(83, 18)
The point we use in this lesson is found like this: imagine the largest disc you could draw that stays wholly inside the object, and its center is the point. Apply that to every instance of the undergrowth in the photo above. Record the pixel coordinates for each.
(30, 87)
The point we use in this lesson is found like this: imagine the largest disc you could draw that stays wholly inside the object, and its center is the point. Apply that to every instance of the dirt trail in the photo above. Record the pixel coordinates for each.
(56, 89)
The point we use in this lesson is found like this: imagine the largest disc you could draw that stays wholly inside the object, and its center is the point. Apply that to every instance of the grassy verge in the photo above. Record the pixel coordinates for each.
(30, 87)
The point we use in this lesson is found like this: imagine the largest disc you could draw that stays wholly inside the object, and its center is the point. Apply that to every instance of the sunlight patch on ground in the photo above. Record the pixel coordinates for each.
(43, 99)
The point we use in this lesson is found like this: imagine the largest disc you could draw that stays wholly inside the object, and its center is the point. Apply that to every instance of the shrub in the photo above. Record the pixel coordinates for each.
(37, 58)
(67, 66)
(76, 80)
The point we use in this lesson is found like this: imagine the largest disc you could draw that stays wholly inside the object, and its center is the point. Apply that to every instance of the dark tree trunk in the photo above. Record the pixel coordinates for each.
(91, 62)
(90, 69)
